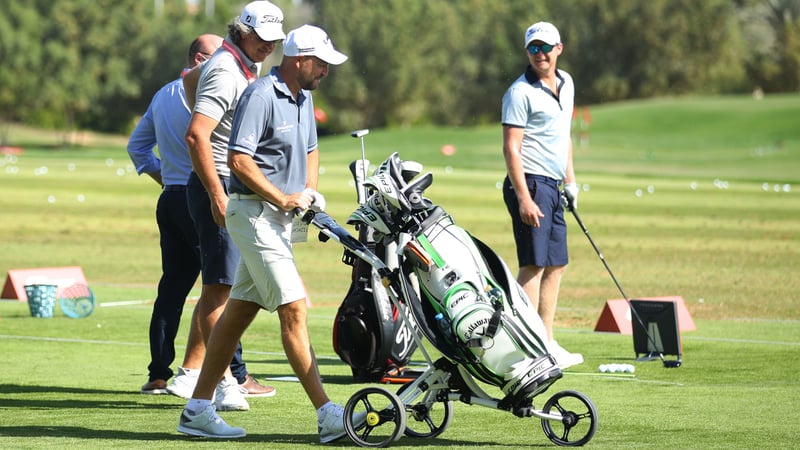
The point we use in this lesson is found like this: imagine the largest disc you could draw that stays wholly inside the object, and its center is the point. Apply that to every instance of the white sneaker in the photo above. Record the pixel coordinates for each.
(183, 383)
(208, 424)
(228, 396)
(331, 427)
(564, 358)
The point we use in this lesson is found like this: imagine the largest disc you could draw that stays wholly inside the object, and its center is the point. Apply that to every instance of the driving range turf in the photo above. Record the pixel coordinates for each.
(692, 197)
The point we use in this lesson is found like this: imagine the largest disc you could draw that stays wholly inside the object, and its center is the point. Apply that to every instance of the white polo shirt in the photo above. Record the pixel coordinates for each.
(546, 118)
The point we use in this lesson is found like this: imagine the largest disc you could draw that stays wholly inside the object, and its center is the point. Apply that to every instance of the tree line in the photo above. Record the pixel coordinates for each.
(95, 64)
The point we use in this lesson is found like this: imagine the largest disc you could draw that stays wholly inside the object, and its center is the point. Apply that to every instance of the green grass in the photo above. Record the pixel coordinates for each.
(714, 230)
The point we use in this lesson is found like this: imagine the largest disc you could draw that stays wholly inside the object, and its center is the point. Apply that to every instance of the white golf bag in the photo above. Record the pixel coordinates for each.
(469, 305)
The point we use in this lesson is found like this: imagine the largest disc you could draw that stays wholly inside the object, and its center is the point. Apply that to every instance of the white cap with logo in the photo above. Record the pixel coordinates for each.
(265, 18)
(542, 31)
(309, 40)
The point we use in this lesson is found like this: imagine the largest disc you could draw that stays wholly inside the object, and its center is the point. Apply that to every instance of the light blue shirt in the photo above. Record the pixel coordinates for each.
(277, 131)
(164, 125)
(547, 121)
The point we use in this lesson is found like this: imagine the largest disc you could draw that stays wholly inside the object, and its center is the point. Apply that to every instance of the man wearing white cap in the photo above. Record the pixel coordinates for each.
(251, 38)
(274, 162)
(536, 117)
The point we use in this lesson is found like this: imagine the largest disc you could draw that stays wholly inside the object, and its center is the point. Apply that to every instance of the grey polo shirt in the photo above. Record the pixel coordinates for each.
(221, 84)
(276, 131)
(547, 120)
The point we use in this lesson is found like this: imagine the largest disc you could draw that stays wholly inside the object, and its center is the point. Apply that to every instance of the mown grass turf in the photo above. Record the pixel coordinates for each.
(691, 197)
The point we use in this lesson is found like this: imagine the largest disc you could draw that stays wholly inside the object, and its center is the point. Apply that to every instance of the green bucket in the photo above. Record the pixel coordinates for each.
(41, 299)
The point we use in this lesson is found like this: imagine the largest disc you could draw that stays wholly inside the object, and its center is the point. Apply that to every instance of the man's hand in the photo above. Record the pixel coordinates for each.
(571, 193)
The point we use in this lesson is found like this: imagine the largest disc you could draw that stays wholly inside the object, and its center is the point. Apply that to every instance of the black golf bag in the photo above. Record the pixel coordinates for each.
(368, 333)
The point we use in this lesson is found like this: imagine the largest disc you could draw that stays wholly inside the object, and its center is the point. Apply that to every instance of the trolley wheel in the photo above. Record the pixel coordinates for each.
(380, 417)
(428, 417)
(579, 419)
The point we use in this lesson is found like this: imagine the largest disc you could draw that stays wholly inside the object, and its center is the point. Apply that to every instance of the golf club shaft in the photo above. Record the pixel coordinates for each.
(608, 269)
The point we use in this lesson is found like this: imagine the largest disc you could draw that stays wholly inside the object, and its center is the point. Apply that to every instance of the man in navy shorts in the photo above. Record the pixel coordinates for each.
(274, 163)
(537, 146)
(251, 38)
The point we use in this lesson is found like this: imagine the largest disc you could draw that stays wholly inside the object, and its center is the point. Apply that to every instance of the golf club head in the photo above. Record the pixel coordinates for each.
(359, 133)
(671, 364)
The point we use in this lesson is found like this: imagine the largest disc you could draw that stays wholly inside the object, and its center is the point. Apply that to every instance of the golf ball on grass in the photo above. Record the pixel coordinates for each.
(616, 368)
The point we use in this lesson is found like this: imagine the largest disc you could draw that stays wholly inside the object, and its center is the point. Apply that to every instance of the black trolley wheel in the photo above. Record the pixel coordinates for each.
(381, 417)
(578, 419)
(428, 417)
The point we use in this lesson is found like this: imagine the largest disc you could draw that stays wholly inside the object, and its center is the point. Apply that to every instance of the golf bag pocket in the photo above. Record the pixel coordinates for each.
(368, 334)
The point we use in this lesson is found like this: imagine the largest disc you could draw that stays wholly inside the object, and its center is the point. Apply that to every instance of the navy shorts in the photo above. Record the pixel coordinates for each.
(218, 254)
(546, 245)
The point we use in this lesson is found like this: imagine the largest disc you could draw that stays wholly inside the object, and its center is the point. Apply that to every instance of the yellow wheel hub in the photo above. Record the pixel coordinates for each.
(373, 418)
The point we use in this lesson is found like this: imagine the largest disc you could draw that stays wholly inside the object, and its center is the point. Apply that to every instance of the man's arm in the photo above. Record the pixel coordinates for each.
(312, 169)
(246, 170)
(140, 147)
(512, 152)
(198, 138)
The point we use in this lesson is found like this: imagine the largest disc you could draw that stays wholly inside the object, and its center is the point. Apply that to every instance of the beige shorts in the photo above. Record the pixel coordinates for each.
(266, 274)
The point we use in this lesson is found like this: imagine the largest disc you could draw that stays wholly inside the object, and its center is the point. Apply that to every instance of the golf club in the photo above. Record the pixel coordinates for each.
(668, 364)
(360, 173)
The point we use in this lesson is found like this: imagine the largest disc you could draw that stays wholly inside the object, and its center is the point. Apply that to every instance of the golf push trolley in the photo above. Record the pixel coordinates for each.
(453, 290)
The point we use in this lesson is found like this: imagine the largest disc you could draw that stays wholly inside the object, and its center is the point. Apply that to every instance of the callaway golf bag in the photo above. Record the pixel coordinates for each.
(368, 334)
(469, 306)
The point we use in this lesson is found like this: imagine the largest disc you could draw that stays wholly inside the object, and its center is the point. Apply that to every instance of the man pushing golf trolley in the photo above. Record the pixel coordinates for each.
(454, 290)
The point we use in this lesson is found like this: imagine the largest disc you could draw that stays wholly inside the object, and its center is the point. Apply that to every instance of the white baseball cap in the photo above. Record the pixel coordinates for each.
(265, 18)
(309, 40)
(542, 31)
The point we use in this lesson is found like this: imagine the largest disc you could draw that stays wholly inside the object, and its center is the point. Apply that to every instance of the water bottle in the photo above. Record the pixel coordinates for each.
(494, 294)
(444, 326)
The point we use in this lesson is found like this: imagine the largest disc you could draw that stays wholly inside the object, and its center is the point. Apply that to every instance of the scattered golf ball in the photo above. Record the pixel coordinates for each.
(651, 189)
(109, 162)
(616, 368)
(121, 172)
(51, 199)
(638, 193)
(81, 198)
(71, 167)
(448, 169)
(693, 185)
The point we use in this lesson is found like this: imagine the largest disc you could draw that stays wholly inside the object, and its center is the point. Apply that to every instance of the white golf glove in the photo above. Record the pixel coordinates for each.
(571, 192)
(318, 203)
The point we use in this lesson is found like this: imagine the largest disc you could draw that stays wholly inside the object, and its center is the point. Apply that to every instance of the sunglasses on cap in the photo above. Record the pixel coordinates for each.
(544, 48)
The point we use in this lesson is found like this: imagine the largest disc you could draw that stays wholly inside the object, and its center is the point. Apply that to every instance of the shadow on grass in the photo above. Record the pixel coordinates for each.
(70, 398)
(274, 438)
(30, 389)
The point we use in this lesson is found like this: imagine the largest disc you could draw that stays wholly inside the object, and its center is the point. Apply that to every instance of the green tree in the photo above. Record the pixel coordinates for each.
(20, 53)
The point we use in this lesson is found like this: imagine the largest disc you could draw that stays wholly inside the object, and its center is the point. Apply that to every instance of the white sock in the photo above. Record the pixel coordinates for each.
(321, 411)
(197, 405)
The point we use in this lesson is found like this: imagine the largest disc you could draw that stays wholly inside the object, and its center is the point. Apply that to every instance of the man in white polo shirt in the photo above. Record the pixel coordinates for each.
(274, 162)
(536, 116)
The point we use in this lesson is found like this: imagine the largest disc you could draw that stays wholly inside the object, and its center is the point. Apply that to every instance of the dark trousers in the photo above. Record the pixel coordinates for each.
(180, 265)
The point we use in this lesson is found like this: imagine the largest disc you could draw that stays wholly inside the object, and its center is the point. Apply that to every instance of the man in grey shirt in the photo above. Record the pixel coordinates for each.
(274, 162)
(252, 37)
